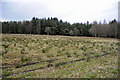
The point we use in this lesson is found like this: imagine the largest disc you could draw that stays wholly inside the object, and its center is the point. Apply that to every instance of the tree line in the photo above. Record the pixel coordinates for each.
(112, 29)
(53, 26)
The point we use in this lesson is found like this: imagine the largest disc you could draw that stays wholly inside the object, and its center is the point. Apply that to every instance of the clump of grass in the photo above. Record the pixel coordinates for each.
(5, 52)
(39, 58)
(24, 59)
(5, 46)
(59, 52)
(88, 58)
(77, 55)
(15, 44)
(26, 45)
(51, 60)
(68, 54)
(112, 48)
(55, 44)
(118, 43)
(91, 52)
(45, 50)
(23, 51)
(63, 49)
(84, 53)
(6, 49)
(29, 74)
(74, 53)
(17, 65)
(46, 42)
(50, 55)
(7, 72)
(111, 44)
(97, 55)
(59, 64)
(92, 76)
(83, 48)
(49, 65)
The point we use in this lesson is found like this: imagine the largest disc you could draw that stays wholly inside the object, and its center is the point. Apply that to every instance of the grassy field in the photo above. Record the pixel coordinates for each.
(45, 56)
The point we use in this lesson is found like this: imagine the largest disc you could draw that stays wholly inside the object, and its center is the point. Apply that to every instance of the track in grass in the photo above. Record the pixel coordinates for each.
(49, 65)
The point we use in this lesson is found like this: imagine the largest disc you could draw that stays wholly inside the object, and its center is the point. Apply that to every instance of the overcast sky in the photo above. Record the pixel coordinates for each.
(67, 10)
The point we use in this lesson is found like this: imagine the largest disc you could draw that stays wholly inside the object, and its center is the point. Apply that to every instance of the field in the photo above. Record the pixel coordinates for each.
(45, 56)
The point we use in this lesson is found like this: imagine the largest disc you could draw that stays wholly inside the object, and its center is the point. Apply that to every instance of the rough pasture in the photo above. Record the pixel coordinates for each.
(45, 56)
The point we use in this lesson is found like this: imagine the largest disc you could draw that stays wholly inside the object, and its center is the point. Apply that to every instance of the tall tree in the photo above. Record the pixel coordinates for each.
(30, 27)
(94, 30)
(118, 31)
(113, 28)
(39, 27)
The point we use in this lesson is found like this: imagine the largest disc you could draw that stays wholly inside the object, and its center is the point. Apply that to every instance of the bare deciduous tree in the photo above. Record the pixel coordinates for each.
(71, 32)
(48, 30)
(76, 32)
(94, 30)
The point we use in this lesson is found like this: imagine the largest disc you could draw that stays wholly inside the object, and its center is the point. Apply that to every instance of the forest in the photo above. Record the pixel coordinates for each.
(54, 26)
